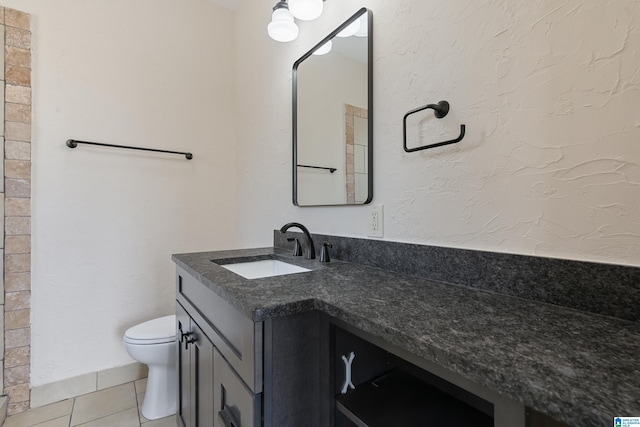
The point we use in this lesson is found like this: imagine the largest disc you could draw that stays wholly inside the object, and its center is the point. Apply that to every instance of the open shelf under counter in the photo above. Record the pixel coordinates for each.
(398, 398)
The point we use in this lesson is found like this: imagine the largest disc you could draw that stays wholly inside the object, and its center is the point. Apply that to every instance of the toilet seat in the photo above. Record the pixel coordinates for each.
(157, 331)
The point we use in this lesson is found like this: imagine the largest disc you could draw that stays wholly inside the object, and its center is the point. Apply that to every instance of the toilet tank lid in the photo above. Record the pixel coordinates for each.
(162, 327)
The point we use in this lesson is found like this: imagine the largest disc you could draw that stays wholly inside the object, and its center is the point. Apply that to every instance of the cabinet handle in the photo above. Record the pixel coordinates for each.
(227, 418)
(189, 341)
(183, 335)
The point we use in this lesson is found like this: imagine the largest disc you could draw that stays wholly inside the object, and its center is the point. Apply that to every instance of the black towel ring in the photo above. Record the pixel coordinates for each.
(440, 110)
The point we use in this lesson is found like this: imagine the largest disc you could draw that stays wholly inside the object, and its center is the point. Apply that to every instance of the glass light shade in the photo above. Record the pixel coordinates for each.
(324, 49)
(350, 30)
(306, 10)
(364, 27)
(282, 28)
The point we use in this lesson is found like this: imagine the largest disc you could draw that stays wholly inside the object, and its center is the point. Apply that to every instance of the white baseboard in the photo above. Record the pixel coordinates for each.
(72, 387)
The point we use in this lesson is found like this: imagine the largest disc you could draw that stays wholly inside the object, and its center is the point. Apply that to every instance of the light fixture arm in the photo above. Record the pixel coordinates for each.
(281, 4)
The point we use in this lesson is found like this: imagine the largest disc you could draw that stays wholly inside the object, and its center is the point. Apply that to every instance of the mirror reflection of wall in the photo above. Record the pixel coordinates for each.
(331, 98)
(325, 84)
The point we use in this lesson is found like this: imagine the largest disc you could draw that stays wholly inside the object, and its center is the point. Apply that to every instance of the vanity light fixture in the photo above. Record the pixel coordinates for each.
(306, 10)
(282, 27)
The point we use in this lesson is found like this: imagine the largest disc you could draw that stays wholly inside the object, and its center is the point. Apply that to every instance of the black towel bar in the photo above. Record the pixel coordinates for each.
(440, 110)
(332, 170)
(73, 143)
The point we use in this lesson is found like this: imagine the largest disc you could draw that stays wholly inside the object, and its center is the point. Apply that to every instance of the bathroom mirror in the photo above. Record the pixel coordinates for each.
(332, 121)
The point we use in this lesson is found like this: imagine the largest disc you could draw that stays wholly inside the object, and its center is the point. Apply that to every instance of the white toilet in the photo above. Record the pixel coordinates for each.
(154, 344)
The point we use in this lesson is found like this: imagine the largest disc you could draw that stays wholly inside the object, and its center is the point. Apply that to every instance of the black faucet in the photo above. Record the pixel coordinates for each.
(311, 250)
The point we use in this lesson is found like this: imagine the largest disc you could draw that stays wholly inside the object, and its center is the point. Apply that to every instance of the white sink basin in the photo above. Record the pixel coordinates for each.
(264, 268)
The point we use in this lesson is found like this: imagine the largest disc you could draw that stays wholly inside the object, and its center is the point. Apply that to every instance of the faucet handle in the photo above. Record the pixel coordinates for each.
(324, 254)
(297, 250)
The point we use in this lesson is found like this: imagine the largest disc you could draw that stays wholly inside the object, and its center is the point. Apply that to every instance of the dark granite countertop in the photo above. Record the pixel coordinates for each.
(578, 367)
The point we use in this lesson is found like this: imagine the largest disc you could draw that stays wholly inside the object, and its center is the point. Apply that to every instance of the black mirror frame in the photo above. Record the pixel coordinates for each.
(296, 64)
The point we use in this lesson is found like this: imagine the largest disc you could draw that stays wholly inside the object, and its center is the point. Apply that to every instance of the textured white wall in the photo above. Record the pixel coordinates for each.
(152, 73)
(550, 94)
(548, 90)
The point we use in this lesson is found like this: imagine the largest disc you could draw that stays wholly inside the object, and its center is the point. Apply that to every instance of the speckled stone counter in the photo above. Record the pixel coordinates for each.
(577, 367)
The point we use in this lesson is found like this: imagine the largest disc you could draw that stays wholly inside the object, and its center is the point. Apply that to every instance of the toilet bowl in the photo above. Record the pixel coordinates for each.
(154, 344)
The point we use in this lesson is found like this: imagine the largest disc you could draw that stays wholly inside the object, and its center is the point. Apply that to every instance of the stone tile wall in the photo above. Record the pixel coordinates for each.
(16, 128)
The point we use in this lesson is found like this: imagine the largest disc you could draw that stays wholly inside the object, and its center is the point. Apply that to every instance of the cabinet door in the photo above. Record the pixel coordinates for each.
(185, 406)
(195, 359)
(234, 403)
(202, 379)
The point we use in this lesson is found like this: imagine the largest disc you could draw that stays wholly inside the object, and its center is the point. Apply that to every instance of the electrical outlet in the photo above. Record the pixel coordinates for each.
(375, 221)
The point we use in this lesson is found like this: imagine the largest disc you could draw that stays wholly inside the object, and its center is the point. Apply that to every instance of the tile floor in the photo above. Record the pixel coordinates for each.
(113, 407)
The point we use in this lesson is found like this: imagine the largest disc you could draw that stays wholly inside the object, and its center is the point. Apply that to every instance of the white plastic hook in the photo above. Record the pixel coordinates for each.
(347, 375)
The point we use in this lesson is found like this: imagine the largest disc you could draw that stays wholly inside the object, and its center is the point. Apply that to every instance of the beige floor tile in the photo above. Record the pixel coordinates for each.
(40, 415)
(162, 422)
(58, 422)
(104, 403)
(128, 418)
(114, 407)
(140, 400)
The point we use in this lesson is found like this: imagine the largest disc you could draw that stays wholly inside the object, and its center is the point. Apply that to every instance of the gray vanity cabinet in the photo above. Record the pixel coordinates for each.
(241, 373)
(219, 357)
